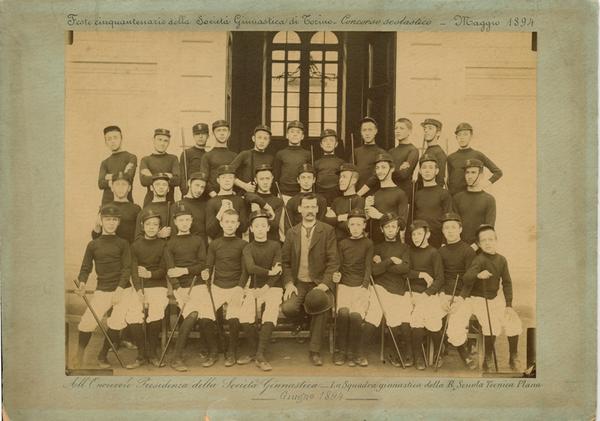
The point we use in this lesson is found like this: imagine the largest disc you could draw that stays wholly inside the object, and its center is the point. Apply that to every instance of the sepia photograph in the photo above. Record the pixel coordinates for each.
(300, 203)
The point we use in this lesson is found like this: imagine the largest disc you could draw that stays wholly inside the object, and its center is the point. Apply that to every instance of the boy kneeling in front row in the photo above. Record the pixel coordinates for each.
(262, 258)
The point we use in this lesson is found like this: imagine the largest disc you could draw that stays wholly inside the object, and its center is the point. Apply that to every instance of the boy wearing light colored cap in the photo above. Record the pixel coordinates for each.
(342, 205)
(425, 279)
(389, 197)
(225, 199)
(191, 159)
(391, 262)
(306, 181)
(456, 258)
(475, 206)
(185, 257)
(159, 204)
(457, 160)
(219, 155)
(356, 255)
(119, 161)
(160, 162)
(432, 201)
(366, 154)
(148, 274)
(487, 273)
(262, 258)
(288, 160)
(111, 257)
(326, 167)
(121, 190)
(432, 130)
(246, 162)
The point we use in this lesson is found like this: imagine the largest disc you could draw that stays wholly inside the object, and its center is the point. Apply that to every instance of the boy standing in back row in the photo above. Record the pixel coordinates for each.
(327, 167)
(119, 161)
(289, 160)
(160, 162)
(191, 159)
(218, 156)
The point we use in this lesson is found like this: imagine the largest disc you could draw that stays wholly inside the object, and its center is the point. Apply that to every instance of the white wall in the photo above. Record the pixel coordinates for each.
(139, 81)
(488, 80)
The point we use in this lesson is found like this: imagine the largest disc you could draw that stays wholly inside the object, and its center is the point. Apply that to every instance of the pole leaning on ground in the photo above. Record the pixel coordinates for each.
(385, 321)
(437, 357)
(89, 306)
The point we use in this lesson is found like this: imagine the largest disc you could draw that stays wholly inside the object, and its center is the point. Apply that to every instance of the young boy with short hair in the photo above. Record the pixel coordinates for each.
(225, 199)
(191, 159)
(326, 167)
(246, 162)
(159, 204)
(160, 162)
(218, 156)
(288, 160)
(119, 161)
(306, 181)
(342, 205)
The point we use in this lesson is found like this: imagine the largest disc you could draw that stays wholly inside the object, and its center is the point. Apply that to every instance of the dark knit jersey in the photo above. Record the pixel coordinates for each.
(365, 162)
(431, 203)
(160, 163)
(426, 260)
(114, 164)
(475, 208)
(186, 251)
(342, 205)
(189, 163)
(325, 168)
(225, 255)
(150, 254)
(127, 224)
(356, 258)
(403, 178)
(213, 225)
(285, 168)
(261, 199)
(497, 265)
(161, 208)
(198, 209)
(456, 168)
(456, 258)
(247, 161)
(294, 202)
(211, 161)
(438, 153)
(388, 274)
(111, 256)
(389, 199)
(259, 258)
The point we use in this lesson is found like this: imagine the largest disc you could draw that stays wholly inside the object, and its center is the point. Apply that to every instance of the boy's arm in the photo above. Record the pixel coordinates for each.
(175, 181)
(404, 267)
(490, 213)
(145, 180)
(131, 167)
(102, 181)
(161, 272)
(213, 228)
(87, 264)
(506, 283)
(493, 168)
(438, 275)
(125, 265)
(200, 264)
(251, 266)
(276, 260)
(368, 264)
(170, 263)
(470, 277)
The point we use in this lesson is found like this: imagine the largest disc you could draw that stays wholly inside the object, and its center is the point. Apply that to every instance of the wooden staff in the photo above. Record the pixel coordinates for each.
(384, 321)
(284, 206)
(89, 306)
(437, 357)
(185, 171)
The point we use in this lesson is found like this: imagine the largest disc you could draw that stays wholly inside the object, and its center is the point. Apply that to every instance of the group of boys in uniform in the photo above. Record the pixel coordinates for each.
(415, 255)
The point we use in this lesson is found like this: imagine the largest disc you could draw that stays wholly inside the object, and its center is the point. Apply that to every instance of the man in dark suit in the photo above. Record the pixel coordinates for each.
(309, 258)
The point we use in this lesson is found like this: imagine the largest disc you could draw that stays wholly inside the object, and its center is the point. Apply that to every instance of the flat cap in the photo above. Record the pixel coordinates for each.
(347, 166)
(261, 213)
(200, 128)
(427, 158)
(181, 209)
(111, 129)
(263, 128)
(110, 210)
(418, 223)
(220, 123)
(163, 132)
(357, 213)
(306, 168)
(387, 218)
(150, 213)
(225, 169)
(433, 122)
(263, 167)
(295, 124)
(469, 163)
(451, 216)
(463, 126)
(384, 157)
(367, 119)
(160, 176)
(199, 175)
(328, 132)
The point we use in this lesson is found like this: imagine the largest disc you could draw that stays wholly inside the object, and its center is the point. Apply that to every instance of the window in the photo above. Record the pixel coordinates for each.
(303, 82)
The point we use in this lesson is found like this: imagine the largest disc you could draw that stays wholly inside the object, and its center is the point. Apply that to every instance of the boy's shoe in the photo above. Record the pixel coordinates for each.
(315, 358)
(178, 365)
(210, 360)
(361, 361)
(339, 358)
(263, 364)
(514, 362)
(137, 363)
(229, 360)
(244, 359)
